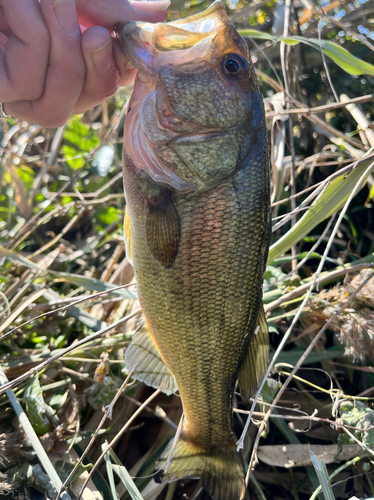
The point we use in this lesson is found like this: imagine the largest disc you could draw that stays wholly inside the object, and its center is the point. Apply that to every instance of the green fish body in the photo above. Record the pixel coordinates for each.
(196, 176)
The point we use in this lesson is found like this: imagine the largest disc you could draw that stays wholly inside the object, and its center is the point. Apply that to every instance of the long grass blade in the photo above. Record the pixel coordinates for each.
(129, 484)
(329, 201)
(109, 470)
(349, 63)
(323, 476)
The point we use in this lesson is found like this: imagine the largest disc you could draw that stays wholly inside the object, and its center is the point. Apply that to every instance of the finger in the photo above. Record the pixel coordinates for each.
(109, 12)
(66, 69)
(4, 25)
(23, 63)
(3, 41)
(102, 75)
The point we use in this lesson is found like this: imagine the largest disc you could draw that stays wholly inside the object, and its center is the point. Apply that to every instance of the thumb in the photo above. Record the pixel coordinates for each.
(107, 13)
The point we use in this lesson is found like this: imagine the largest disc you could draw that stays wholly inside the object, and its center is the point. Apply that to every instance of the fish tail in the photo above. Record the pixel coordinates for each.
(221, 472)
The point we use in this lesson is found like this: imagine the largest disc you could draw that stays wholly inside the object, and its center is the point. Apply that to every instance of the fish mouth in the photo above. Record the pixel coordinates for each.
(145, 44)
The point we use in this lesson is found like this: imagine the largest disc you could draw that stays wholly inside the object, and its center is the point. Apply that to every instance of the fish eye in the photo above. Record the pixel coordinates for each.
(235, 66)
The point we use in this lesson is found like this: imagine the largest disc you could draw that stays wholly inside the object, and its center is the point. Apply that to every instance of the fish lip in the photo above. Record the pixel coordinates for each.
(143, 43)
(206, 21)
(138, 51)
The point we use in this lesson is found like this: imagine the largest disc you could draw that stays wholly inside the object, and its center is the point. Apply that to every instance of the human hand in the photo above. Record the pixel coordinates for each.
(49, 69)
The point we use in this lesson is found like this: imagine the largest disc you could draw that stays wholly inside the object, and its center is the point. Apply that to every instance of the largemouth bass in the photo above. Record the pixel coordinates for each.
(196, 177)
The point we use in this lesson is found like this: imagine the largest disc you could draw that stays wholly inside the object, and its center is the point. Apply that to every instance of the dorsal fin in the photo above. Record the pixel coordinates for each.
(143, 357)
(256, 361)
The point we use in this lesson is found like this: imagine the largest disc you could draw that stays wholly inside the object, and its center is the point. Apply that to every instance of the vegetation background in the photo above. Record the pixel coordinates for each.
(68, 303)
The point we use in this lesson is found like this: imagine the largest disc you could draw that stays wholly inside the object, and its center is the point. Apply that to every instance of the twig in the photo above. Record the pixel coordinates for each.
(58, 237)
(324, 60)
(335, 21)
(312, 118)
(284, 49)
(325, 107)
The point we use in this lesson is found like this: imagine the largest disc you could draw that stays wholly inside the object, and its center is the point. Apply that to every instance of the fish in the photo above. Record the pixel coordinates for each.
(196, 179)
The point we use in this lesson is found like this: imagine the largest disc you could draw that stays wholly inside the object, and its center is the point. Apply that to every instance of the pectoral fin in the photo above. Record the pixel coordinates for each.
(162, 227)
(256, 361)
(127, 236)
(143, 357)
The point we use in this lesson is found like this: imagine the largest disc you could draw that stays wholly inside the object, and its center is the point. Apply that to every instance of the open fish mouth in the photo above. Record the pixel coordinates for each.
(144, 44)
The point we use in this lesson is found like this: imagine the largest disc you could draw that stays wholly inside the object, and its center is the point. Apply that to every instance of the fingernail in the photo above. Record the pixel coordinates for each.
(102, 58)
(157, 6)
(66, 14)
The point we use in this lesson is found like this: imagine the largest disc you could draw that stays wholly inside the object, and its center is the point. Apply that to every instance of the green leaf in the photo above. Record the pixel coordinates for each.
(269, 390)
(32, 475)
(84, 138)
(102, 393)
(35, 407)
(258, 35)
(109, 470)
(26, 174)
(81, 140)
(122, 472)
(73, 158)
(361, 417)
(107, 215)
(338, 54)
(349, 63)
(329, 201)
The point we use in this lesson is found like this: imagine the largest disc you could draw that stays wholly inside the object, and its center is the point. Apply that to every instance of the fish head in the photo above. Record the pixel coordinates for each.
(192, 104)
